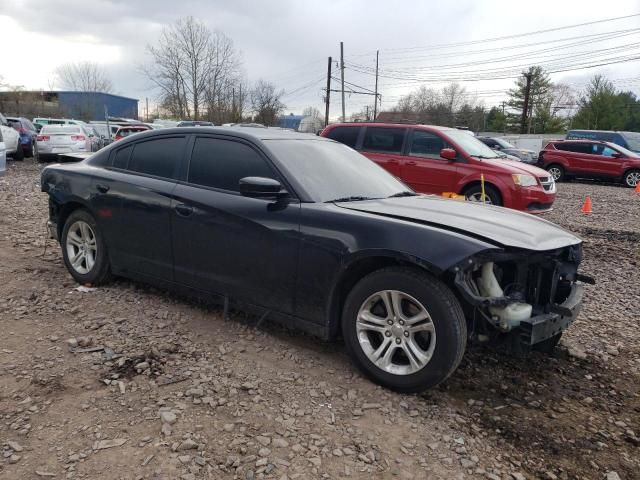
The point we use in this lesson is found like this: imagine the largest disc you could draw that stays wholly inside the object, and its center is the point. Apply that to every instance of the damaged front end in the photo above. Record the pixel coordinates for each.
(521, 297)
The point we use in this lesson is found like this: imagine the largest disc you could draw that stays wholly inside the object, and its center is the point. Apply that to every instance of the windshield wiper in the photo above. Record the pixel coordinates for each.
(403, 194)
(353, 198)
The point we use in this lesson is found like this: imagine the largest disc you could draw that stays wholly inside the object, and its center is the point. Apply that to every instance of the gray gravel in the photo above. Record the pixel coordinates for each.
(129, 382)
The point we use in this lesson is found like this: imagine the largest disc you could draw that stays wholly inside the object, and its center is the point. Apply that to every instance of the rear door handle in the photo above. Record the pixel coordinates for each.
(411, 163)
(184, 210)
(102, 188)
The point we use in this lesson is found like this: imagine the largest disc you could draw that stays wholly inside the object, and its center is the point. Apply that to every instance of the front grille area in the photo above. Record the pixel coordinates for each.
(548, 184)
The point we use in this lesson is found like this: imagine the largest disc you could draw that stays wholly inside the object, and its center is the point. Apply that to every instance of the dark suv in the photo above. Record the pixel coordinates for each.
(590, 159)
(28, 134)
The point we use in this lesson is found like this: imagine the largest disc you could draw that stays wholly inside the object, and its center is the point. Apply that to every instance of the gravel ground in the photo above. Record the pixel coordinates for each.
(128, 382)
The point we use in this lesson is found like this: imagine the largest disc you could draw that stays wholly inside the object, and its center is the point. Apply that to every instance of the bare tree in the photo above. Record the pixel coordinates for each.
(196, 71)
(84, 77)
(266, 103)
(312, 112)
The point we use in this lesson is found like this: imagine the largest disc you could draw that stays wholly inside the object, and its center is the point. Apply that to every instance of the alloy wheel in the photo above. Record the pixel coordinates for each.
(477, 197)
(396, 333)
(82, 247)
(556, 173)
(632, 178)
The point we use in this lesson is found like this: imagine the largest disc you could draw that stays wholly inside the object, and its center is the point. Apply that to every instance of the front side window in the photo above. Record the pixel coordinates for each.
(221, 164)
(158, 157)
(426, 144)
(346, 135)
(380, 139)
(575, 147)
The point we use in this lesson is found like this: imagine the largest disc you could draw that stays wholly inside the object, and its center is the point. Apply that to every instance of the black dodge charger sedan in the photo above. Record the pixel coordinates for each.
(309, 232)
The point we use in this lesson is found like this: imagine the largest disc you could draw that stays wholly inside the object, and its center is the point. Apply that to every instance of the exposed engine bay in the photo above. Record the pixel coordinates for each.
(522, 296)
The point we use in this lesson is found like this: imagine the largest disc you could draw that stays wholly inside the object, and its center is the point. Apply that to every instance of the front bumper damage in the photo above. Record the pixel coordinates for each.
(548, 281)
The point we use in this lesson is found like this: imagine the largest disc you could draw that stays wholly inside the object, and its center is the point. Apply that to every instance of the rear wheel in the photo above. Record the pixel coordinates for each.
(83, 249)
(19, 155)
(632, 178)
(404, 329)
(557, 172)
(491, 195)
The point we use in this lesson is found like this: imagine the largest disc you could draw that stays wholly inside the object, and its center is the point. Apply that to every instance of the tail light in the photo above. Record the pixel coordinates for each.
(78, 138)
(43, 138)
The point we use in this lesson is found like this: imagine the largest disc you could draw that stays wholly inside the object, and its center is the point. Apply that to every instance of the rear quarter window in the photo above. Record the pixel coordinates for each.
(346, 135)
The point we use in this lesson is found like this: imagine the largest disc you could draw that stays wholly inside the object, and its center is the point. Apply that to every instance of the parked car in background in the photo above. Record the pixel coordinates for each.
(590, 159)
(309, 232)
(28, 134)
(434, 159)
(3, 156)
(57, 121)
(125, 131)
(628, 140)
(97, 142)
(194, 123)
(11, 137)
(54, 140)
(102, 130)
(500, 145)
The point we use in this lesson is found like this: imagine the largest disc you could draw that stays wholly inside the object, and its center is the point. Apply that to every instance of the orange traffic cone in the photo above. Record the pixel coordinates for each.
(637, 190)
(586, 208)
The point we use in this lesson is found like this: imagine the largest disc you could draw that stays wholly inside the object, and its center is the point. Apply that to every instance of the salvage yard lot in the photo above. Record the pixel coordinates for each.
(175, 391)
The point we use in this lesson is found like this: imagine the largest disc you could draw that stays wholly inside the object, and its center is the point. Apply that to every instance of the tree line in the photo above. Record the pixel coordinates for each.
(552, 107)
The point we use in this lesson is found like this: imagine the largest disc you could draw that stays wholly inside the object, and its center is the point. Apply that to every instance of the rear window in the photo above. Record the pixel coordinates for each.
(380, 139)
(158, 157)
(345, 135)
(70, 129)
(575, 147)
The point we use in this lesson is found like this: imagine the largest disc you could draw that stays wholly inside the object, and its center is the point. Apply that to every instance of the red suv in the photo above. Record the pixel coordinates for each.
(590, 159)
(438, 159)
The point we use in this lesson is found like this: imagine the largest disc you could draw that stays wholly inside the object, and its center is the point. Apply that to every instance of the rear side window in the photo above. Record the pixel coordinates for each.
(575, 147)
(221, 164)
(388, 140)
(159, 157)
(426, 144)
(121, 158)
(346, 135)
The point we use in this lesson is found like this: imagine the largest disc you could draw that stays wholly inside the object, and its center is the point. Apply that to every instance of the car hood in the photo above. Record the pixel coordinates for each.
(518, 167)
(501, 226)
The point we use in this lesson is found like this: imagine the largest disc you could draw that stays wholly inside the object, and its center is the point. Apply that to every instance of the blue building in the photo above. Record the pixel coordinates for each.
(68, 104)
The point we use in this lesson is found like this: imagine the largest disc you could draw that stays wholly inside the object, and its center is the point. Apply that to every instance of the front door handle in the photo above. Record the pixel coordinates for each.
(184, 210)
(102, 188)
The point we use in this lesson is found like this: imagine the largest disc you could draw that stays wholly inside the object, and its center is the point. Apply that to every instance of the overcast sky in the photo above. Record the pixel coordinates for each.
(288, 42)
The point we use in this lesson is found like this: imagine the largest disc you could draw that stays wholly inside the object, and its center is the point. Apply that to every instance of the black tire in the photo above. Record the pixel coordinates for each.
(28, 152)
(100, 272)
(19, 155)
(446, 315)
(474, 193)
(557, 172)
(631, 178)
(548, 345)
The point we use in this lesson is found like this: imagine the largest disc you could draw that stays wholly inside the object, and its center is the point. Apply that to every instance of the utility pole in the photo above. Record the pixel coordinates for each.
(504, 124)
(525, 107)
(327, 98)
(146, 114)
(233, 104)
(342, 77)
(375, 97)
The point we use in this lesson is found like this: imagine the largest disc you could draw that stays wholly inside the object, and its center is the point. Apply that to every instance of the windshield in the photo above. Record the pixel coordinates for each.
(60, 129)
(504, 143)
(623, 150)
(471, 145)
(330, 170)
(633, 140)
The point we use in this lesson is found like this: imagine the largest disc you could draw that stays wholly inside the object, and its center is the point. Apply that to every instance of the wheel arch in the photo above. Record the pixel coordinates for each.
(629, 170)
(65, 210)
(487, 183)
(357, 268)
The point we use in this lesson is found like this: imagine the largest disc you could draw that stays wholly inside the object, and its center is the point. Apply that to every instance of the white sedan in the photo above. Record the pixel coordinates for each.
(11, 140)
(54, 140)
(3, 156)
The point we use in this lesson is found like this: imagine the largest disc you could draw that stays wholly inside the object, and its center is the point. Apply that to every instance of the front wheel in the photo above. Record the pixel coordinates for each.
(632, 178)
(491, 195)
(83, 249)
(404, 329)
(557, 172)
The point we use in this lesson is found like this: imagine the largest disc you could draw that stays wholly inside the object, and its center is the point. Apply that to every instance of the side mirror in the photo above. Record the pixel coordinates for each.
(448, 154)
(260, 187)
(616, 155)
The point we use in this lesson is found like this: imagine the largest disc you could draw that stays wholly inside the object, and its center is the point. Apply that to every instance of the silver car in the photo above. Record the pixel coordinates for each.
(3, 156)
(54, 140)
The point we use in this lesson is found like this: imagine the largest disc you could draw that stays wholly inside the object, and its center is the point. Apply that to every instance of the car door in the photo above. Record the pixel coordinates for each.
(227, 243)
(606, 161)
(132, 202)
(424, 169)
(384, 145)
(577, 157)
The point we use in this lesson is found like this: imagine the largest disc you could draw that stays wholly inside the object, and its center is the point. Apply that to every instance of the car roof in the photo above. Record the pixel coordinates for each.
(249, 133)
(396, 125)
